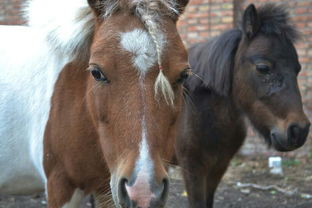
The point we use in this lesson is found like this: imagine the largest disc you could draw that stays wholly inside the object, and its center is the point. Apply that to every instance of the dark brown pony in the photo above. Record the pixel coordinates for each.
(249, 72)
(112, 127)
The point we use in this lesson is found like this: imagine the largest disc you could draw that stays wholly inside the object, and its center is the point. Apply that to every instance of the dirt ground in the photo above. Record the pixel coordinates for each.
(245, 185)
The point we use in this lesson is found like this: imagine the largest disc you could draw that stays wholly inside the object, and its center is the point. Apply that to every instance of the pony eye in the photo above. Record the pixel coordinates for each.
(98, 75)
(263, 68)
(183, 76)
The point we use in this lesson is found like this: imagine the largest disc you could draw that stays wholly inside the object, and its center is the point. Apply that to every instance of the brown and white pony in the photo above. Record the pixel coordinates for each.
(114, 107)
(114, 71)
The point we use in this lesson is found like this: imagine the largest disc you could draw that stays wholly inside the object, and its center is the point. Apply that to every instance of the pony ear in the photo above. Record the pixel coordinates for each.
(182, 4)
(96, 6)
(180, 7)
(251, 22)
(103, 7)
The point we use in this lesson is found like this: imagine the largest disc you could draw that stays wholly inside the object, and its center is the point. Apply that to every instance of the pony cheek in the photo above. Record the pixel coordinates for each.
(97, 109)
(101, 110)
(107, 146)
(241, 91)
(169, 140)
(260, 112)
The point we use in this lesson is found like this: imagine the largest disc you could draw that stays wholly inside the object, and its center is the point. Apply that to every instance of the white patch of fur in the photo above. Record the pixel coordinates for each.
(144, 171)
(144, 162)
(67, 25)
(28, 74)
(146, 50)
(140, 44)
(75, 200)
(30, 62)
(140, 190)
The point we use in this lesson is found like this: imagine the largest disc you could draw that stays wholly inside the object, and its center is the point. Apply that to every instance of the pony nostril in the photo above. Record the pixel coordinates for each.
(293, 131)
(297, 135)
(161, 193)
(165, 191)
(122, 192)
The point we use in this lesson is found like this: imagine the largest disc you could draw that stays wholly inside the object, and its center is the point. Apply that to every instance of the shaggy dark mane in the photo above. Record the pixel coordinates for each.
(213, 61)
(275, 21)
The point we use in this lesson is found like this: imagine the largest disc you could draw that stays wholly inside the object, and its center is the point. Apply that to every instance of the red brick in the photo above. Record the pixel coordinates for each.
(301, 10)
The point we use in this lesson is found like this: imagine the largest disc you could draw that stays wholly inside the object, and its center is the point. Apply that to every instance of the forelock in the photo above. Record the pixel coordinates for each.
(155, 7)
(275, 21)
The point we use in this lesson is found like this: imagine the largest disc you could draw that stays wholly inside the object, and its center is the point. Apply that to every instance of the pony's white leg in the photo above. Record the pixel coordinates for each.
(75, 200)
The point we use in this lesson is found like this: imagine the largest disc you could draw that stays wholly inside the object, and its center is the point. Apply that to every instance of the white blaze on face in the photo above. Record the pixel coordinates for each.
(140, 191)
(144, 163)
(140, 44)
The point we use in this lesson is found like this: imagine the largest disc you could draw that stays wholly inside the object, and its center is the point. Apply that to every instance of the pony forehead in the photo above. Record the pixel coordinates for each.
(142, 47)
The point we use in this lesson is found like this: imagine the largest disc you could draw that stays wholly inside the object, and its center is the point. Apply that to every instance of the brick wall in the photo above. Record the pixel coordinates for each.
(10, 12)
(206, 18)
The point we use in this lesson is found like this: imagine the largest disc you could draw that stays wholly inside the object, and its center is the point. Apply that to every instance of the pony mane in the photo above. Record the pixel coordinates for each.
(67, 26)
(214, 60)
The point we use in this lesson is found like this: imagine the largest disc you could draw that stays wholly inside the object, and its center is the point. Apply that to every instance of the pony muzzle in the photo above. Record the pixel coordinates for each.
(142, 193)
(292, 138)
